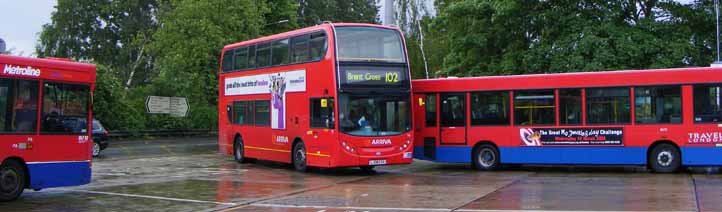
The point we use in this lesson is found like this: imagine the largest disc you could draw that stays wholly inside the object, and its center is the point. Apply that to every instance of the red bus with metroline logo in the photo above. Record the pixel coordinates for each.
(664, 119)
(331, 95)
(45, 113)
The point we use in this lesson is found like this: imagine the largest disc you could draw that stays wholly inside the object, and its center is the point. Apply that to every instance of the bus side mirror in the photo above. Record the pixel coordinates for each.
(229, 113)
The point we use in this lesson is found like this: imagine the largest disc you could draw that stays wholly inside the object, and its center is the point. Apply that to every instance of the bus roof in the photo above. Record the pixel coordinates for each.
(573, 80)
(48, 63)
(301, 31)
(50, 69)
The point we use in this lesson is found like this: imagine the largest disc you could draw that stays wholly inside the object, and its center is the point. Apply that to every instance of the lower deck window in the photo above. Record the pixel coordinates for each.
(608, 106)
(658, 105)
(534, 108)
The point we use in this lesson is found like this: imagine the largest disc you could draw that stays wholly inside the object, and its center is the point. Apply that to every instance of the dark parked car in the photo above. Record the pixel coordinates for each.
(100, 134)
(100, 138)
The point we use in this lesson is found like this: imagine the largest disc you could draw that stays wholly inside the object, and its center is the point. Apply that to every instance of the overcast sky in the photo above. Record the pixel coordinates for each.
(21, 22)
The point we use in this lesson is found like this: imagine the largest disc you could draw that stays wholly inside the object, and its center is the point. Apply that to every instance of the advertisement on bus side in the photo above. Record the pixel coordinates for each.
(571, 136)
(276, 84)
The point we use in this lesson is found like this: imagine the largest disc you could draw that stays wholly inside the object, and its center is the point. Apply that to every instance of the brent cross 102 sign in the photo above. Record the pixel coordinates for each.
(175, 106)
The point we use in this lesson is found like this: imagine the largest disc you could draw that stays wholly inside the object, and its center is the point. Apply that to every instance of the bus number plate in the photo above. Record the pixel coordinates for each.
(377, 162)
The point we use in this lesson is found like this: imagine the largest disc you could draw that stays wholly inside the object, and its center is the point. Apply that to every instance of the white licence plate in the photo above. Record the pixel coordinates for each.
(377, 162)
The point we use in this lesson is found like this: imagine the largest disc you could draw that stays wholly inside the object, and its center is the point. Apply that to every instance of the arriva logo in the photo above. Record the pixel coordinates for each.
(380, 141)
(17, 70)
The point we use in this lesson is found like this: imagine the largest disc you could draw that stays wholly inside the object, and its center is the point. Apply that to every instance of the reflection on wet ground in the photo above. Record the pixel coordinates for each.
(187, 175)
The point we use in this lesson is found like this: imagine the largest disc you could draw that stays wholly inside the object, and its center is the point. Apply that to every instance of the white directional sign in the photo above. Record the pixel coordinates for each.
(157, 104)
(178, 107)
(175, 106)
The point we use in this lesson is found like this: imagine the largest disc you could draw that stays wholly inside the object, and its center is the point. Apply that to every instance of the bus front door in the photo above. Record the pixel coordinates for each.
(453, 118)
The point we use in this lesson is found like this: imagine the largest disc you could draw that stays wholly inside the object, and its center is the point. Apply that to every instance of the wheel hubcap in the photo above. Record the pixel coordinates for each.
(665, 158)
(239, 151)
(9, 180)
(300, 156)
(96, 149)
(487, 158)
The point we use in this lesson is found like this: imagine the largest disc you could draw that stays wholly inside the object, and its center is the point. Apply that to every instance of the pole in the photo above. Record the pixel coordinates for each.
(716, 9)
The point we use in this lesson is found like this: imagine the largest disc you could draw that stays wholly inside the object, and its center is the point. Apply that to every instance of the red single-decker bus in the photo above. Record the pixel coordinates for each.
(45, 113)
(665, 119)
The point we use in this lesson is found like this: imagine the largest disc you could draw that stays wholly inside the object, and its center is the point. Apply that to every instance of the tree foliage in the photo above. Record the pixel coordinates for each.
(312, 12)
(497, 37)
(113, 33)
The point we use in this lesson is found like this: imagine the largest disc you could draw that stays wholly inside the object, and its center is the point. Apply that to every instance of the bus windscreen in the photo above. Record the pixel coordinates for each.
(369, 44)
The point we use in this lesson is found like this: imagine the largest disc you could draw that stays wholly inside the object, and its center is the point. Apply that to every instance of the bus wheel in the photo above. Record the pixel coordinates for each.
(238, 150)
(12, 180)
(299, 157)
(664, 158)
(368, 169)
(485, 157)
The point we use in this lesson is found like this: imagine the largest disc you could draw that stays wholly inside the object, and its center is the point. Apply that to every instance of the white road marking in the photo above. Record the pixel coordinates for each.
(324, 208)
(350, 208)
(475, 210)
(149, 197)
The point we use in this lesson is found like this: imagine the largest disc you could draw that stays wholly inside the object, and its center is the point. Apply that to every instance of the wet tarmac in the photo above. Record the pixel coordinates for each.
(187, 175)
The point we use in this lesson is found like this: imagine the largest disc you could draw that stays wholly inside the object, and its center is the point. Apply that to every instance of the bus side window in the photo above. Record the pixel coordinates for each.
(228, 61)
(65, 108)
(263, 112)
(707, 103)
(251, 57)
(608, 106)
(570, 106)
(318, 46)
(322, 113)
(490, 108)
(239, 112)
(299, 49)
(280, 52)
(263, 55)
(18, 106)
(430, 110)
(653, 105)
(241, 59)
(534, 107)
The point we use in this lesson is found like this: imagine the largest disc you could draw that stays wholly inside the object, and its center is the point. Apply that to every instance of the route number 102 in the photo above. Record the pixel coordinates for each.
(392, 77)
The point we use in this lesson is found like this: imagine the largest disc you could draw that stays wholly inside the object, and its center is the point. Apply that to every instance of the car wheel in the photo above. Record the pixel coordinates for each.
(299, 157)
(664, 158)
(96, 149)
(485, 157)
(12, 180)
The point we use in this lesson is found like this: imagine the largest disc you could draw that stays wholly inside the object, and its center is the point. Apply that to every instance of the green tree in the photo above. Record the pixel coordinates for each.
(312, 12)
(188, 47)
(494, 37)
(113, 33)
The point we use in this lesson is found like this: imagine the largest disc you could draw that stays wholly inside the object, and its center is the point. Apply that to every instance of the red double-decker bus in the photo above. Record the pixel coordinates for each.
(331, 95)
(664, 119)
(45, 113)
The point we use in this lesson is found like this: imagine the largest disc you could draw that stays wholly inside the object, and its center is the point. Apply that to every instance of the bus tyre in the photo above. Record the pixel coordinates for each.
(485, 157)
(664, 158)
(238, 150)
(368, 169)
(299, 157)
(12, 180)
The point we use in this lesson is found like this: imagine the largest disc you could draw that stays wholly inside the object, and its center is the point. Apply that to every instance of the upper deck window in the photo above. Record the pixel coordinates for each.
(369, 44)
(298, 49)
